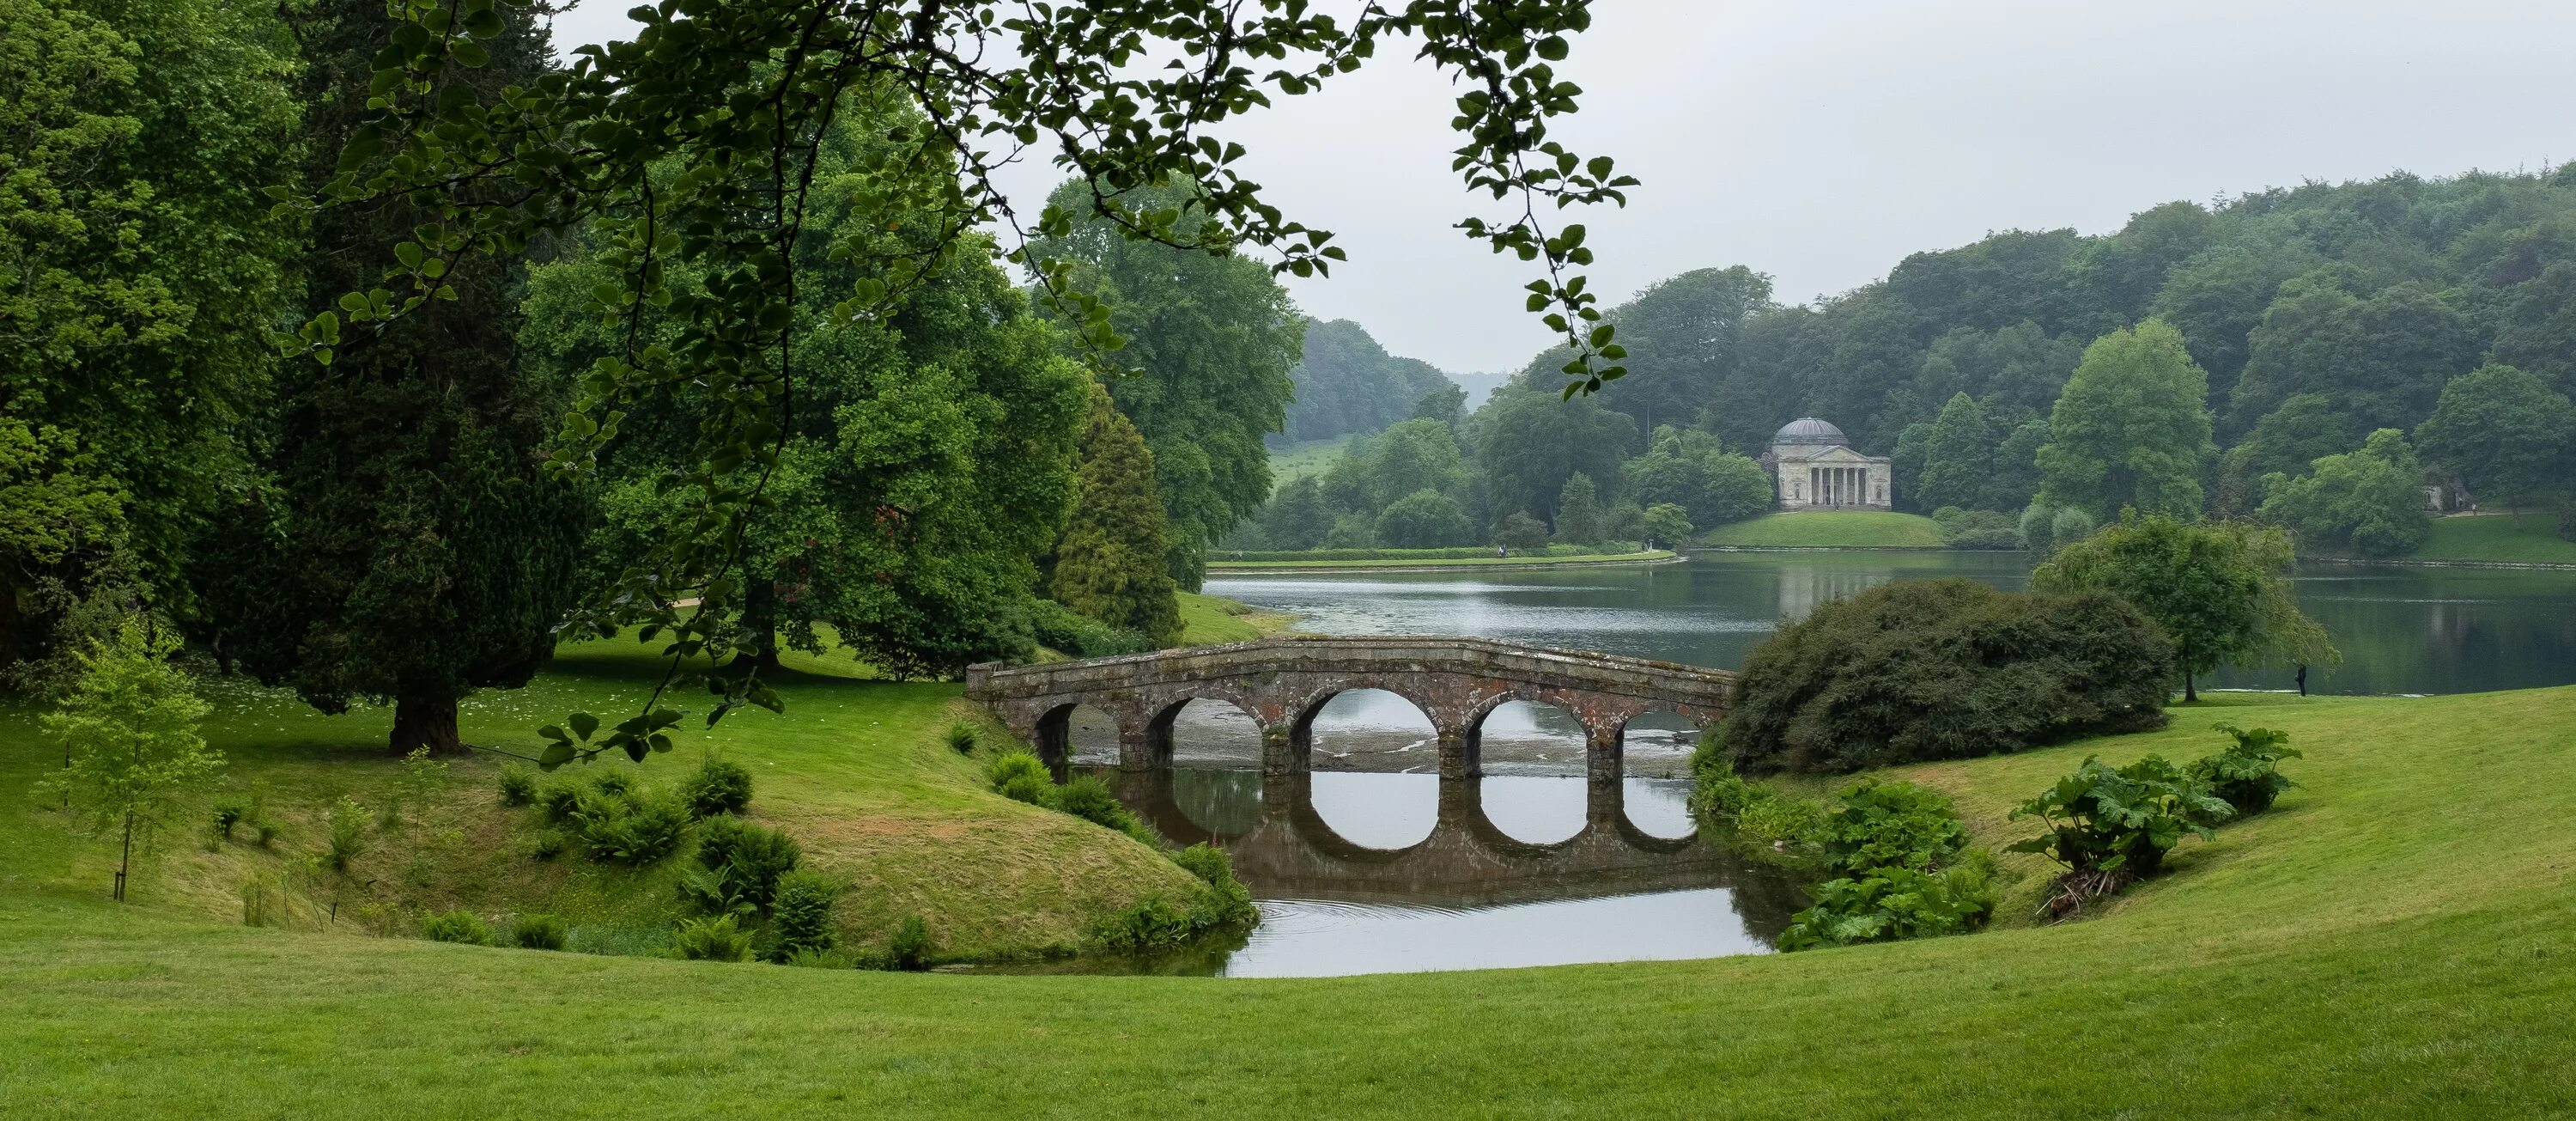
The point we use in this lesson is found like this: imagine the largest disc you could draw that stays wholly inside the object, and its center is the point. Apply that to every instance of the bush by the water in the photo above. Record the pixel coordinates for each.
(1942, 669)
(1901, 868)
(537, 932)
(909, 949)
(2247, 775)
(1020, 776)
(720, 786)
(2112, 826)
(1058, 627)
(457, 926)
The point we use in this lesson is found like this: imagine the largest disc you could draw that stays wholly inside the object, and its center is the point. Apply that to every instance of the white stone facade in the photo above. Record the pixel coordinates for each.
(1813, 467)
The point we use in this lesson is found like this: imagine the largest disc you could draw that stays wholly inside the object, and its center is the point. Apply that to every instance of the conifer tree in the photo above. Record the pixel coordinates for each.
(1578, 512)
(1111, 563)
(1958, 457)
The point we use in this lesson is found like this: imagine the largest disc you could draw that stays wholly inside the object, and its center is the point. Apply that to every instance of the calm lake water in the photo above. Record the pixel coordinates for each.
(1371, 864)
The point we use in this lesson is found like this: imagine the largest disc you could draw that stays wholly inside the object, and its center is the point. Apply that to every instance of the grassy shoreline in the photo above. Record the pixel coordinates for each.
(1833, 529)
(1446, 564)
(2398, 938)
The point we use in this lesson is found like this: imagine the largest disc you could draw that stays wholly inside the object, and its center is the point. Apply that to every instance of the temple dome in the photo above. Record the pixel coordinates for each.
(1807, 431)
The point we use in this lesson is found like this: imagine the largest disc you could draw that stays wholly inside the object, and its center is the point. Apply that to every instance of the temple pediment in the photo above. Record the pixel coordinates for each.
(1841, 457)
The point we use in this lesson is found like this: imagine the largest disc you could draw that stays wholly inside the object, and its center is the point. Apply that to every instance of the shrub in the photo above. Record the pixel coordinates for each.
(1088, 797)
(457, 926)
(558, 800)
(537, 932)
(721, 938)
(819, 959)
(518, 785)
(961, 738)
(548, 843)
(1943, 669)
(2247, 776)
(1716, 790)
(1778, 820)
(1058, 627)
(1151, 924)
(1207, 862)
(230, 812)
(1891, 904)
(348, 834)
(1878, 824)
(718, 787)
(1977, 529)
(802, 914)
(614, 782)
(636, 829)
(422, 781)
(2110, 827)
(910, 948)
(1020, 776)
(755, 856)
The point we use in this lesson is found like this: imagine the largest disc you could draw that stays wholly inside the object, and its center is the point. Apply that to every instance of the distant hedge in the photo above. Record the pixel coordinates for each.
(1943, 669)
(1461, 553)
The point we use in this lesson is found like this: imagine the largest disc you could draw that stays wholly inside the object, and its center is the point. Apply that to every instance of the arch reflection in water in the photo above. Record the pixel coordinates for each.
(1468, 894)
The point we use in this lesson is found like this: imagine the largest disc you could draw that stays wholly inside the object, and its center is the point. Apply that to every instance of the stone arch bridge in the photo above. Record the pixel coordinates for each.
(1282, 683)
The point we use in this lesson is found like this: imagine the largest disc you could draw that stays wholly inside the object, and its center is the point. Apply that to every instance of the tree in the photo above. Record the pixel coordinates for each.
(1578, 512)
(1211, 339)
(691, 149)
(1296, 517)
(1446, 403)
(1667, 524)
(140, 278)
(130, 742)
(410, 547)
(2131, 429)
(2370, 501)
(1687, 468)
(2538, 334)
(2383, 358)
(1530, 443)
(1905, 463)
(1521, 531)
(1958, 458)
(1681, 335)
(1424, 519)
(1347, 383)
(2503, 433)
(2016, 466)
(1110, 564)
(2306, 427)
(2214, 589)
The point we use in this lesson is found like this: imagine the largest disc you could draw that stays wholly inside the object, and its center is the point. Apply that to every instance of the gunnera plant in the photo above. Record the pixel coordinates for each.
(2248, 774)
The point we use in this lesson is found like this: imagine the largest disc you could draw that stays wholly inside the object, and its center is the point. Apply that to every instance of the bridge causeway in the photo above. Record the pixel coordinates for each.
(1283, 682)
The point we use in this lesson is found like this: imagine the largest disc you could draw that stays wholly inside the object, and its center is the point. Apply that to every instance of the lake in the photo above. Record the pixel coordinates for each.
(1371, 864)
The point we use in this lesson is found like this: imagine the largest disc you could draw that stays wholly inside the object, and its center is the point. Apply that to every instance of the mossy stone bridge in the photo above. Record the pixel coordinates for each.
(1282, 683)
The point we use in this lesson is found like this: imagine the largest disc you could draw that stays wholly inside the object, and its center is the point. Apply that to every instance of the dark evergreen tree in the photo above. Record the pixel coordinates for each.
(1110, 565)
(409, 548)
(1579, 517)
(1958, 457)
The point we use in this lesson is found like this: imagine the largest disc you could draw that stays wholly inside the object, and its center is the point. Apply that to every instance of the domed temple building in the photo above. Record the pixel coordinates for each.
(1813, 467)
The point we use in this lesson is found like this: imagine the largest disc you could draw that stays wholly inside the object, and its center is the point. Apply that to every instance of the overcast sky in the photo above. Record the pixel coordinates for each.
(1820, 141)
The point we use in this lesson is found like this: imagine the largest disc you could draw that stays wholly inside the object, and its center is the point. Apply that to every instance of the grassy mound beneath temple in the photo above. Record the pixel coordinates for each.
(2396, 938)
(857, 771)
(2495, 538)
(1843, 529)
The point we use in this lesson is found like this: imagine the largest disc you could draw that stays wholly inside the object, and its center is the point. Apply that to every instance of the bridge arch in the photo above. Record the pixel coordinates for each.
(1302, 712)
(1053, 736)
(1163, 713)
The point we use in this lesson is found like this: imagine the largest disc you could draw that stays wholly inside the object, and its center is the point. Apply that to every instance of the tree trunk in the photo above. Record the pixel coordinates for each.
(2189, 694)
(426, 722)
(760, 617)
(125, 856)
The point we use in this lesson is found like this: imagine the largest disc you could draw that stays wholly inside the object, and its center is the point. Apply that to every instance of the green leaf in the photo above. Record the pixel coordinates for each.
(583, 724)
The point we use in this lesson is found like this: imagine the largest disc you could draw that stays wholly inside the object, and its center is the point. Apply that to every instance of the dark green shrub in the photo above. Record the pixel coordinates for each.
(755, 856)
(348, 834)
(537, 932)
(1152, 924)
(2247, 776)
(518, 785)
(719, 787)
(1876, 824)
(802, 914)
(1716, 790)
(1943, 669)
(910, 948)
(558, 800)
(2111, 827)
(721, 938)
(1020, 776)
(457, 926)
(635, 828)
(1088, 797)
(614, 782)
(1058, 627)
(548, 843)
(961, 738)
(1207, 862)
(230, 812)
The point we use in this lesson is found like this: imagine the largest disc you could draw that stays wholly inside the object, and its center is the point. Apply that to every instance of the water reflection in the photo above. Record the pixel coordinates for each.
(2402, 630)
(1360, 872)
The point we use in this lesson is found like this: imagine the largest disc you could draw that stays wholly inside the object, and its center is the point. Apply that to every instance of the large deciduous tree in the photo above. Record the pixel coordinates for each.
(140, 276)
(1958, 458)
(2502, 432)
(1530, 443)
(2214, 589)
(1110, 565)
(2131, 430)
(410, 548)
(2369, 501)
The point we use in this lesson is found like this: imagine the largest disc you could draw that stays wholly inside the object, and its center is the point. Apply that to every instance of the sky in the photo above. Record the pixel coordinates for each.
(1820, 141)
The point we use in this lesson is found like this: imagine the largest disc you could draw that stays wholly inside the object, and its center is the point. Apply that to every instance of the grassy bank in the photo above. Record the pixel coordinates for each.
(2398, 938)
(856, 770)
(2494, 538)
(1842, 529)
(1305, 457)
(1211, 620)
(1438, 559)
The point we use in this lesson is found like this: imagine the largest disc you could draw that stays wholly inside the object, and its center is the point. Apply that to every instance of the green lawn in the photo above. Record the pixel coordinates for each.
(1441, 560)
(1830, 528)
(2397, 939)
(1209, 620)
(1305, 457)
(2493, 537)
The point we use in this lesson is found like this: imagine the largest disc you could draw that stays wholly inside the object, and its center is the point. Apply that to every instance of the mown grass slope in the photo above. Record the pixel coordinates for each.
(1210, 620)
(1830, 528)
(2397, 939)
(2494, 537)
(856, 770)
